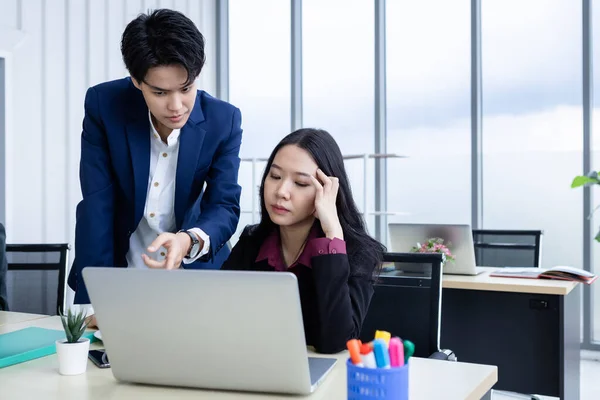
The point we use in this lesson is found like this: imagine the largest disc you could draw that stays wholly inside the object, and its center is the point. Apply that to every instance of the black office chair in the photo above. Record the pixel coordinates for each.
(407, 302)
(507, 248)
(36, 279)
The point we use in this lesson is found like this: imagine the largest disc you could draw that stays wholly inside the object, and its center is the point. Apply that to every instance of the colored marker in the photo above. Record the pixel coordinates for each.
(354, 349)
(367, 356)
(396, 352)
(383, 335)
(409, 350)
(382, 357)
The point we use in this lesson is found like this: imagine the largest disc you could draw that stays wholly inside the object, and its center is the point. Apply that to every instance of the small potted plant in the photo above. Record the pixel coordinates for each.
(434, 245)
(73, 351)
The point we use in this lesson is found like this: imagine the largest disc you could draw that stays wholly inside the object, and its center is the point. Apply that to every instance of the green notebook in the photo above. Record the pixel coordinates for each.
(30, 343)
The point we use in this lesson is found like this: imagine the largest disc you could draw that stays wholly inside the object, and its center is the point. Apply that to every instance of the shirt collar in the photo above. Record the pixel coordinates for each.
(271, 251)
(171, 140)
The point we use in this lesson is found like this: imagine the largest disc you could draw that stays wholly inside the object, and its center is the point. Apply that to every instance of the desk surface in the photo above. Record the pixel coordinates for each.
(452, 380)
(7, 317)
(484, 281)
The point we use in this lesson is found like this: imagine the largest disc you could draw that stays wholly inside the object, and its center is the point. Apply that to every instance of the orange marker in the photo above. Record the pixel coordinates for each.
(354, 349)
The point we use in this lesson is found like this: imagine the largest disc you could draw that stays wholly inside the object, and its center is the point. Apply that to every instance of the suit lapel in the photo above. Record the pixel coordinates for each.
(191, 139)
(138, 137)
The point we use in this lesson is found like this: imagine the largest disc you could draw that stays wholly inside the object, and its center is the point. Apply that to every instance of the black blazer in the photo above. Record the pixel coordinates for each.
(3, 268)
(334, 300)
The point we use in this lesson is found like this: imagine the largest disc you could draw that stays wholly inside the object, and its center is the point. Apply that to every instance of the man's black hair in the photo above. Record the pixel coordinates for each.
(164, 37)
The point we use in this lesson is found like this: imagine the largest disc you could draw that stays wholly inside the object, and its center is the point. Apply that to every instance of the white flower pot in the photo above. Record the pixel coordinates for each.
(72, 357)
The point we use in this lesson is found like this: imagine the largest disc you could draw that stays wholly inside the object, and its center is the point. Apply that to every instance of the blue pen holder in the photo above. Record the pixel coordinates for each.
(377, 383)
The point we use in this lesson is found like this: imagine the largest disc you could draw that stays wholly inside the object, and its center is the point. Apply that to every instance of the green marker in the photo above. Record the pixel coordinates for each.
(409, 350)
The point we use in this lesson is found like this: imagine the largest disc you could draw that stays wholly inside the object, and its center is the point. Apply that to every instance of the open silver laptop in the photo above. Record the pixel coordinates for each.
(205, 329)
(458, 238)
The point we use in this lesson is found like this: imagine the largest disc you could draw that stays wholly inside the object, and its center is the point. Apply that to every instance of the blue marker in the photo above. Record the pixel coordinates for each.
(382, 357)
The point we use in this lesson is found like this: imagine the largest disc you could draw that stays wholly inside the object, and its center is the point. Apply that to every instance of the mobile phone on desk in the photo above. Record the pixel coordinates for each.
(99, 358)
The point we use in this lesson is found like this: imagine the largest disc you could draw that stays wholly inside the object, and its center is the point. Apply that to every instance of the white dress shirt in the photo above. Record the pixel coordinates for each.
(159, 211)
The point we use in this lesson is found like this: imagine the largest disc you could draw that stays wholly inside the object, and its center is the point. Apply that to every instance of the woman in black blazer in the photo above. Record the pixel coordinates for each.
(310, 226)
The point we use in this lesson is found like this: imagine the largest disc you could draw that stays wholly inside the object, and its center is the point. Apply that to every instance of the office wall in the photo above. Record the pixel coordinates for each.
(69, 45)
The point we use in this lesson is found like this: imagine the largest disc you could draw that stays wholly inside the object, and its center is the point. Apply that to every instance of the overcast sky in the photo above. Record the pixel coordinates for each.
(532, 126)
(531, 65)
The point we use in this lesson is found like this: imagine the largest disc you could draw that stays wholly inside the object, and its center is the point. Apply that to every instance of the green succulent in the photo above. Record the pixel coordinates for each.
(74, 325)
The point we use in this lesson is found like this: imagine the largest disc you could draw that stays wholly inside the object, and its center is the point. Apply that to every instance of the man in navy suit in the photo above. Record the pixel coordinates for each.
(159, 159)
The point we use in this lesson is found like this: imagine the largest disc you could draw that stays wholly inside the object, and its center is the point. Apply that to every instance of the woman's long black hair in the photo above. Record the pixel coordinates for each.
(365, 254)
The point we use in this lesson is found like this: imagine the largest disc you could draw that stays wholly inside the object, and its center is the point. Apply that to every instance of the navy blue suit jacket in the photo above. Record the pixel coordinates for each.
(114, 169)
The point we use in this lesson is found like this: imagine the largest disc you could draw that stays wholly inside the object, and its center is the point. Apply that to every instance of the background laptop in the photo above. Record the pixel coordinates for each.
(458, 238)
(206, 329)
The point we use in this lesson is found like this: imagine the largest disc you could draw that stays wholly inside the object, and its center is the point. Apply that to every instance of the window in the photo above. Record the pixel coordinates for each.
(595, 290)
(338, 78)
(532, 122)
(429, 111)
(259, 85)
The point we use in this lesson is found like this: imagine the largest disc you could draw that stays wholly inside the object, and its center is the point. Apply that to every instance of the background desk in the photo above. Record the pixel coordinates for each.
(39, 379)
(529, 328)
(7, 317)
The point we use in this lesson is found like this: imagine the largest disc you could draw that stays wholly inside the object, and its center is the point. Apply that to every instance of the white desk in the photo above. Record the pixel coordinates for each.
(7, 317)
(39, 379)
(486, 282)
(529, 328)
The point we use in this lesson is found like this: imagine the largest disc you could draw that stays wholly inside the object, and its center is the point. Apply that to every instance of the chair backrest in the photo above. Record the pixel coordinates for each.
(407, 301)
(36, 279)
(508, 248)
